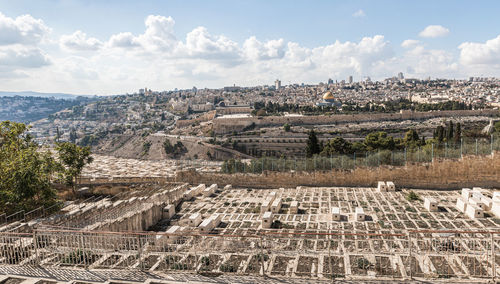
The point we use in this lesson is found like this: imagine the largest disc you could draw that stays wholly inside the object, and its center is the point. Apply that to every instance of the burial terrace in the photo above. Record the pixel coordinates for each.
(150, 230)
(113, 167)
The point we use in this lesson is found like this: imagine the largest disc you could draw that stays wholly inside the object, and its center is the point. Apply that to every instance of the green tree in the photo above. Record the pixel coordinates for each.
(337, 145)
(286, 127)
(26, 172)
(358, 147)
(458, 134)
(74, 158)
(261, 112)
(58, 134)
(496, 127)
(449, 132)
(312, 146)
(379, 141)
(439, 134)
(411, 139)
(72, 135)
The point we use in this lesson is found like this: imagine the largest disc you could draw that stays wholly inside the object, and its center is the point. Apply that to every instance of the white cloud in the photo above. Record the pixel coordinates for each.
(78, 41)
(430, 62)
(125, 40)
(434, 31)
(254, 49)
(159, 34)
(18, 56)
(352, 57)
(201, 44)
(409, 43)
(158, 37)
(158, 59)
(487, 54)
(22, 30)
(359, 14)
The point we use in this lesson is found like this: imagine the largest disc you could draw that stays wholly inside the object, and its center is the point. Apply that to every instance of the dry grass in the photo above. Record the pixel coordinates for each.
(441, 174)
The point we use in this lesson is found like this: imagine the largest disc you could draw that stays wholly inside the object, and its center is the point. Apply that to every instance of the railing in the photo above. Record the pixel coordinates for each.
(358, 254)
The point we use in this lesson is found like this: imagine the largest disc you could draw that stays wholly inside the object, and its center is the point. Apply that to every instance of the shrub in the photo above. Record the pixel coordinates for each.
(286, 127)
(412, 196)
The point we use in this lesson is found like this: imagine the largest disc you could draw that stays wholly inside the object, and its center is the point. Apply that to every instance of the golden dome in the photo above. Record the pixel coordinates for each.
(328, 96)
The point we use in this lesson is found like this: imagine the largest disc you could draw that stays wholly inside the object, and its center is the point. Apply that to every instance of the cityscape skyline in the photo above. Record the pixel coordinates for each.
(70, 46)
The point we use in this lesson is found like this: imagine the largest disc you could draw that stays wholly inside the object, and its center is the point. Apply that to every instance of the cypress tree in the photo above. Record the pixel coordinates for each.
(449, 133)
(312, 146)
(440, 133)
(458, 134)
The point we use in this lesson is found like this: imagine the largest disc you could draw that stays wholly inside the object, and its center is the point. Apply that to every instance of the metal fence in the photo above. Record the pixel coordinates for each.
(411, 254)
(40, 212)
(425, 154)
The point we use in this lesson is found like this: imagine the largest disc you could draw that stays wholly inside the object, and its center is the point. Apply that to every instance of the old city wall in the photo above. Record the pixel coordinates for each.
(228, 125)
(203, 118)
(444, 174)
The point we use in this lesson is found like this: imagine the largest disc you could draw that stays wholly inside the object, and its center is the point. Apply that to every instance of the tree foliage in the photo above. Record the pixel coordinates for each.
(312, 147)
(73, 158)
(375, 141)
(337, 145)
(496, 127)
(379, 141)
(412, 139)
(286, 127)
(26, 172)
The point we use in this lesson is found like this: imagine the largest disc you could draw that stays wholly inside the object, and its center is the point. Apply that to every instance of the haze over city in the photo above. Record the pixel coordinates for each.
(114, 47)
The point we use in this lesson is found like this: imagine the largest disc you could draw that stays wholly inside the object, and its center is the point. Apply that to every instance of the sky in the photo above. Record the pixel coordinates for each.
(118, 46)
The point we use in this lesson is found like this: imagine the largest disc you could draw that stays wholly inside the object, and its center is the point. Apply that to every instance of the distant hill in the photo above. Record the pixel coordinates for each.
(31, 108)
(41, 95)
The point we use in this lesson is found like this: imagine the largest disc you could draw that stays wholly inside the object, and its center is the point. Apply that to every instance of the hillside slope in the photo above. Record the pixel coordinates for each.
(153, 147)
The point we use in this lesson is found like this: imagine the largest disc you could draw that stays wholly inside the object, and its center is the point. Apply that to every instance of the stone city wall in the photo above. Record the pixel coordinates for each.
(228, 125)
(203, 118)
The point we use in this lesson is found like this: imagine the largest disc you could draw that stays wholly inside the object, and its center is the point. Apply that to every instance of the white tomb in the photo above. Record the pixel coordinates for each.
(495, 207)
(272, 196)
(335, 214)
(195, 220)
(172, 233)
(359, 214)
(169, 211)
(496, 195)
(206, 226)
(477, 202)
(265, 206)
(461, 204)
(390, 186)
(488, 203)
(210, 190)
(466, 193)
(217, 218)
(474, 212)
(276, 206)
(294, 207)
(430, 204)
(188, 194)
(381, 186)
(197, 190)
(267, 220)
